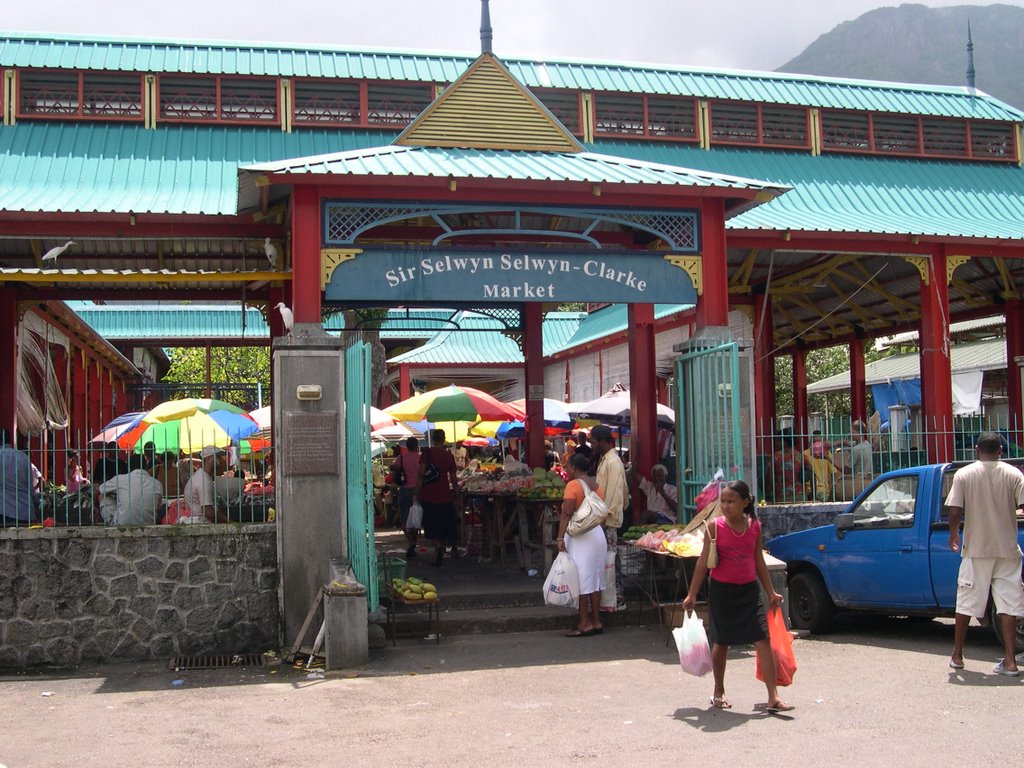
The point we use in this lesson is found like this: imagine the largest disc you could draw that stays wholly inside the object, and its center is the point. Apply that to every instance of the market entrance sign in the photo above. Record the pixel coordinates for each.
(397, 276)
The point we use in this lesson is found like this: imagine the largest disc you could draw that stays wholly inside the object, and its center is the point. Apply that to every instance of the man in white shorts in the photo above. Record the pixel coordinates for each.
(991, 492)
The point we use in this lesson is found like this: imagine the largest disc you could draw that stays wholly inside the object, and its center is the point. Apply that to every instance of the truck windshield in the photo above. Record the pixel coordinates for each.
(890, 505)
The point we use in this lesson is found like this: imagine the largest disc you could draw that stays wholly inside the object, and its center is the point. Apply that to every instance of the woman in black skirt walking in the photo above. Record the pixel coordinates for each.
(737, 605)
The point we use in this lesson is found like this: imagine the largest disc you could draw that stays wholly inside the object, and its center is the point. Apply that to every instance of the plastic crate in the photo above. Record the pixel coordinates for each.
(391, 567)
(631, 560)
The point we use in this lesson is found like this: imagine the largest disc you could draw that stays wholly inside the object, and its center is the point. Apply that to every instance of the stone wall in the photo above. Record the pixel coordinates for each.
(69, 595)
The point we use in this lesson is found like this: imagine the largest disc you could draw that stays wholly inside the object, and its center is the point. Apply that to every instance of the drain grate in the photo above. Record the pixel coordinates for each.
(216, 661)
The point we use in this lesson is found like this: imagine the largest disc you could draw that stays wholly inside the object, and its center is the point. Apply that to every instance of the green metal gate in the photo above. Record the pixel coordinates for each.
(708, 429)
(361, 550)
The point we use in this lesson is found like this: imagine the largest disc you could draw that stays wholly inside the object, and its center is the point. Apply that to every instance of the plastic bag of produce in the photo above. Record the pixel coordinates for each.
(562, 586)
(415, 518)
(692, 643)
(782, 648)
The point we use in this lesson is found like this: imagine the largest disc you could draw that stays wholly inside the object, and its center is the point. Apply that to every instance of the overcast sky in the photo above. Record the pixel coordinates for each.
(735, 34)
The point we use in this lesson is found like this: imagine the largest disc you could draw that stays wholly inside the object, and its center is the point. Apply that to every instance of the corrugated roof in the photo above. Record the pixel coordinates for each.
(284, 60)
(100, 167)
(505, 164)
(613, 319)
(856, 193)
(108, 168)
(172, 322)
(978, 356)
(480, 339)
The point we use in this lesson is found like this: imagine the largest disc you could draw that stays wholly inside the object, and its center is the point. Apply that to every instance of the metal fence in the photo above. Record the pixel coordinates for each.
(838, 457)
(42, 484)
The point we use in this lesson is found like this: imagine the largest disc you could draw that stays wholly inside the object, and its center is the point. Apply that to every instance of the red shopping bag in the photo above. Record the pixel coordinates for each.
(782, 647)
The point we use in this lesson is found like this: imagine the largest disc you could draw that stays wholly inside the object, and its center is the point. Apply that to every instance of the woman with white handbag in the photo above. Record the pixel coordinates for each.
(581, 536)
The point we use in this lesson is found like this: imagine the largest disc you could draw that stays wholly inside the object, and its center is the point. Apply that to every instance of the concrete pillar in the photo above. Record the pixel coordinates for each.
(309, 447)
(346, 636)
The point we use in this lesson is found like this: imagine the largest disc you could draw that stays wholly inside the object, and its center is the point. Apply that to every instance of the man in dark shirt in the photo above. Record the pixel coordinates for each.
(582, 447)
(109, 466)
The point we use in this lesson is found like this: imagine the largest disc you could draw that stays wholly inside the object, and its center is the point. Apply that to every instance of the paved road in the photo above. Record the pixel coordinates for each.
(874, 692)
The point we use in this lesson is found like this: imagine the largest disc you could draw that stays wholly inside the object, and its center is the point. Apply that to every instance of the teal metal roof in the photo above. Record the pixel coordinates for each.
(505, 164)
(613, 319)
(101, 167)
(207, 57)
(480, 339)
(867, 194)
(107, 168)
(192, 321)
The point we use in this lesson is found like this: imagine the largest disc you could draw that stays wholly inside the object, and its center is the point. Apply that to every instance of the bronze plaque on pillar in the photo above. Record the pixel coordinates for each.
(311, 445)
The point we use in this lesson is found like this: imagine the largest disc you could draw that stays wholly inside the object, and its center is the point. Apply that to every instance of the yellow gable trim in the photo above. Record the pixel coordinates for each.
(487, 108)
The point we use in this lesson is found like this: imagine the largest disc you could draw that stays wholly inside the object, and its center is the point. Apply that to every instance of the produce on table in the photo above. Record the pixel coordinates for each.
(672, 540)
(413, 589)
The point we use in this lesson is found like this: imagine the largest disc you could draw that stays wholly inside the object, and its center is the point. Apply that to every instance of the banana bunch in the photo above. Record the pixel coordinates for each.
(413, 589)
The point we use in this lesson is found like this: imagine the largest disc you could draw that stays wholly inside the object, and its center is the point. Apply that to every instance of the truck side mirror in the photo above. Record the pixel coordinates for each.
(844, 522)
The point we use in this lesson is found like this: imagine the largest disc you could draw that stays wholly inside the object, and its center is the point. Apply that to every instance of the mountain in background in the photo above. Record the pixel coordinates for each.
(917, 44)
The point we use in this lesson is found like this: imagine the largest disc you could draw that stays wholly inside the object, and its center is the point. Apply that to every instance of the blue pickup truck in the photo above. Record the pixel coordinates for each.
(889, 553)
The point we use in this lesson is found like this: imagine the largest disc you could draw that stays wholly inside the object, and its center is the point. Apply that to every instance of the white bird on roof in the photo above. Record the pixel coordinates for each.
(53, 253)
(271, 250)
(286, 316)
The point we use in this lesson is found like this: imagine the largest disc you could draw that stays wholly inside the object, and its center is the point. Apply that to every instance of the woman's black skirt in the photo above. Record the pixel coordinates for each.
(738, 612)
(439, 521)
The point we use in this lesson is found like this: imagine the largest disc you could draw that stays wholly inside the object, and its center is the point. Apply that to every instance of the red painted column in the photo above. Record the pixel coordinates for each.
(713, 304)
(936, 366)
(643, 414)
(568, 382)
(1014, 349)
(9, 363)
(306, 268)
(533, 354)
(800, 392)
(764, 373)
(79, 409)
(858, 383)
(404, 382)
(61, 436)
(94, 421)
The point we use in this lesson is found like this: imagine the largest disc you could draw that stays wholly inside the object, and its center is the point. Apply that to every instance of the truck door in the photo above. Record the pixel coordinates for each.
(883, 558)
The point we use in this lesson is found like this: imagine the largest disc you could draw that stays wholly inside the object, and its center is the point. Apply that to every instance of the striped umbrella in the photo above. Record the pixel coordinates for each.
(188, 425)
(454, 403)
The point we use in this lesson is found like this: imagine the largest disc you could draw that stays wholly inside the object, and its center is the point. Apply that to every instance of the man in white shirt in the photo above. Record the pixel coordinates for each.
(461, 455)
(131, 498)
(201, 490)
(990, 492)
(611, 486)
(661, 496)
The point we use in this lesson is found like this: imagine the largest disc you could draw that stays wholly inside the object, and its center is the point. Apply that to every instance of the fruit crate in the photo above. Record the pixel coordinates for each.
(391, 567)
(631, 560)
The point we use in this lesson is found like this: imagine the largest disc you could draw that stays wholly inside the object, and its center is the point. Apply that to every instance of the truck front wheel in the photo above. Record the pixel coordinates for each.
(810, 606)
(998, 628)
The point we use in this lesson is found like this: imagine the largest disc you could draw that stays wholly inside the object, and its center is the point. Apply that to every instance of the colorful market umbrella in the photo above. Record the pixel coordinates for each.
(186, 426)
(118, 427)
(556, 422)
(454, 403)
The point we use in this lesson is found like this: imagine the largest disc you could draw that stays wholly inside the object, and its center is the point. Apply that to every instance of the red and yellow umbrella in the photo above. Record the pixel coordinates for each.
(454, 403)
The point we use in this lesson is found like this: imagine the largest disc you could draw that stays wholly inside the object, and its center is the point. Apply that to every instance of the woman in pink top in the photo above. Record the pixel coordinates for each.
(737, 607)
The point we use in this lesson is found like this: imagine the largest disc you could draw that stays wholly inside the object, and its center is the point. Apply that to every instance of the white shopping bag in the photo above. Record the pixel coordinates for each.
(692, 643)
(609, 598)
(562, 586)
